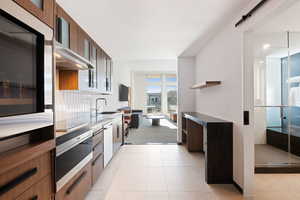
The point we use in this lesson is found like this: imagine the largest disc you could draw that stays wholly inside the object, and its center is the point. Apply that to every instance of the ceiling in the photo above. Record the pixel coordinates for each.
(287, 19)
(149, 29)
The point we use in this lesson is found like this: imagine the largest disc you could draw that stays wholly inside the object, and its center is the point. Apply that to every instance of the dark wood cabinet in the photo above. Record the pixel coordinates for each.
(102, 71)
(42, 9)
(194, 136)
(80, 41)
(97, 167)
(71, 35)
(109, 70)
(78, 187)
(41, 190)
(214, 137)
(63, 22)
(98, 156)
(93, 71)
(25, 171)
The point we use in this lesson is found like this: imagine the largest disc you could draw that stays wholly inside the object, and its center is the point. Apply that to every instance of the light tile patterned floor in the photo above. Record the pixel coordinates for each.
(169, 172)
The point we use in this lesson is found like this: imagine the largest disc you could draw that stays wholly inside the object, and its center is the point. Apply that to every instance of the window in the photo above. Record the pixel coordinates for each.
(172, 98)
(154, 99)
(171, 78)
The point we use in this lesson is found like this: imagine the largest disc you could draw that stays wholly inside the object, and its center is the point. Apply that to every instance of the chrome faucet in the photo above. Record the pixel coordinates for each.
(97, 100)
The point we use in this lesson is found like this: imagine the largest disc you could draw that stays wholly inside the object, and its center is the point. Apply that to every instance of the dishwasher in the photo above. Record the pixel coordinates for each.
(108, 143)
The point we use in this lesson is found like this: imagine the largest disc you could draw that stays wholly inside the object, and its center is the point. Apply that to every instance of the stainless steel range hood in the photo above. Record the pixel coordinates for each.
(69, 60)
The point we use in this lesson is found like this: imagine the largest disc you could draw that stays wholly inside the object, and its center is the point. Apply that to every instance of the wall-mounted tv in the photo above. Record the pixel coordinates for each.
(123, 92)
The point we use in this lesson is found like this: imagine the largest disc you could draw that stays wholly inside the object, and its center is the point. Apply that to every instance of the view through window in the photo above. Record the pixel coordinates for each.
(161, 92)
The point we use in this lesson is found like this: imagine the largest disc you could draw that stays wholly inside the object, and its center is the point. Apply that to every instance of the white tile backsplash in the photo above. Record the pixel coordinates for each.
(75, 107)
(72, 107)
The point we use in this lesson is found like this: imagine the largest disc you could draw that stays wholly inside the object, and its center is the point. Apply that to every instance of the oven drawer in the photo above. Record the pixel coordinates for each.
(97, 167)
(78, 186)
(40, 191)
(98, 149)
(17, 180)
(98, 138)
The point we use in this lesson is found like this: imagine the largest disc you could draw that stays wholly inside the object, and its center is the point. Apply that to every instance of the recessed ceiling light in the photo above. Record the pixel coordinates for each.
(79, 66)
(57, 55)
(266, 46)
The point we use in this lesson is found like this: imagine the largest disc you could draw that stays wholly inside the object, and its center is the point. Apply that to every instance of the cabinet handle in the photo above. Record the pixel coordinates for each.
(35, 197)
(76, 182)
(118, 131)
(101, 142)
(20, 179)
(94, 162)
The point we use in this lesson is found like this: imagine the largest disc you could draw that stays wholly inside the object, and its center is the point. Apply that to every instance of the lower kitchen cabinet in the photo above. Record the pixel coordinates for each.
(97, 167)
(27, 179)
(78, 187)
(40, 191)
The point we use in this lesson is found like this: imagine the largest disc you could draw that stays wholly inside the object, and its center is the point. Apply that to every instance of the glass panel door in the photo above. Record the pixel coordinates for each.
(291, 84)
(270, 67)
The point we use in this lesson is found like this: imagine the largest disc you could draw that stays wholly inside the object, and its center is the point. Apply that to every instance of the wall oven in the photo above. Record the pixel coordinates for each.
(26, 68)
(73, 152)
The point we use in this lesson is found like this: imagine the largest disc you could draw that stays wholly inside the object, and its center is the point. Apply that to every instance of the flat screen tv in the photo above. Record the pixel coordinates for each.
(123, 92)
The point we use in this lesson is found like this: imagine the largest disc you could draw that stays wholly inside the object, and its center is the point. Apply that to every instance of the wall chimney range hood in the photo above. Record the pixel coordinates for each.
(68, 60)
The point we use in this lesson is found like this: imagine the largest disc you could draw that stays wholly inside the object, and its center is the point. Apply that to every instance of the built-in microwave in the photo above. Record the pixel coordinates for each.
(26, 71)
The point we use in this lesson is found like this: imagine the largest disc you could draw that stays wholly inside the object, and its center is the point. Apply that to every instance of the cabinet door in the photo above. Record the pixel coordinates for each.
(80, 42)
(78, 186)
(63, 32)
(42, 9)
(73, 29)
(101, 71)
(92, 72)
(97, 167)
(41, 190)
(108, 73)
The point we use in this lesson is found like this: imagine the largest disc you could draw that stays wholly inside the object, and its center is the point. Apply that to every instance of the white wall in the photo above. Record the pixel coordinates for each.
(223, 58)
(186, 96)
(126, 70)
(138, 91)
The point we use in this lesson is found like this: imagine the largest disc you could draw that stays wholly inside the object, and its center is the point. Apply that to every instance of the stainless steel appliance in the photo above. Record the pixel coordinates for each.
(26, 81)
(73, 152)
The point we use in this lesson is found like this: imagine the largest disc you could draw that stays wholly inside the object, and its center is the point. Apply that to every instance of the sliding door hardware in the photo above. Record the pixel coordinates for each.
(251, 12)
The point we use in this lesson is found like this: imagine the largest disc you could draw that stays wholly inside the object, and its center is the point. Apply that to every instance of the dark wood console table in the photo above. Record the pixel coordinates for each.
(214, 137)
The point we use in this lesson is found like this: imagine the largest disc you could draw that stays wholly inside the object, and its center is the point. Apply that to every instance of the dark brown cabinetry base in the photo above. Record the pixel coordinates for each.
(193, 136)
(214, 137)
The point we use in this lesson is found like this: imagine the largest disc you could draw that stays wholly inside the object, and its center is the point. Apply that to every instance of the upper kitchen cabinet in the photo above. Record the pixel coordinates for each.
(104, 72)
(93, 71)
(109, 70)
(66, 30)
(83, 44)
(101, 71)
(42, 9)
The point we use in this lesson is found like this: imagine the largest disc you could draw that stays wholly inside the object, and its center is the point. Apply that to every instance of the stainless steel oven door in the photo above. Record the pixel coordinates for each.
(14, 125)
(71, 157)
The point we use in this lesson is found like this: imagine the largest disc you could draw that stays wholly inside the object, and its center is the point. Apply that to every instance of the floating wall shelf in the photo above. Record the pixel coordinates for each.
(206, 84)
